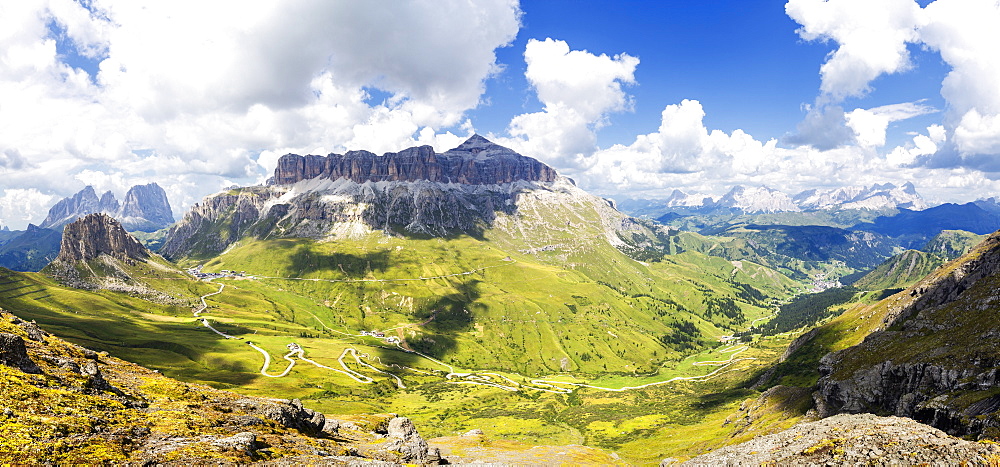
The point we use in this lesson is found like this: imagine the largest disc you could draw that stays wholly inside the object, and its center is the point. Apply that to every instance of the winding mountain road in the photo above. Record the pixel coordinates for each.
(482, 378)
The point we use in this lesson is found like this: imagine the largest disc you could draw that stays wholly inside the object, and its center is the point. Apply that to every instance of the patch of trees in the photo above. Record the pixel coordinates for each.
(805, 310)
(683, 336)
(749, 294)
(724, 306)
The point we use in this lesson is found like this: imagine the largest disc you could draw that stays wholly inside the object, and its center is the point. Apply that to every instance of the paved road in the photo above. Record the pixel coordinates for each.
(480, 378)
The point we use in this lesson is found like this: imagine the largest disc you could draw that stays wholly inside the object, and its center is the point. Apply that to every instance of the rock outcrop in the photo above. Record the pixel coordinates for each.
(853, 440)
(14, 354)
(404, 439)
(287, 413)
(146, 208)
(99, 234)
(933, 358)
(477, 161)
(97, 253)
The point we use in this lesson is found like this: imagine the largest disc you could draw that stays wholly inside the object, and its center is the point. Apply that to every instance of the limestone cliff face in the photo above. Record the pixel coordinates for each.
(475, 162)
(470, 190)
(95, 235)
(934, 358)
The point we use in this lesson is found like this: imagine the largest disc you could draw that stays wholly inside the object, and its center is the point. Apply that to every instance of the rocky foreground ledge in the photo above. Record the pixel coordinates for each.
(862, 439)
(62, 404)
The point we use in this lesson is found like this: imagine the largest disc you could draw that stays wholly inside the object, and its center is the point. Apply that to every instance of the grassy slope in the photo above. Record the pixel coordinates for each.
(910, 266)
(567, 294)
(901, 270)
(266, 313)
(521, 315)
(58, 417)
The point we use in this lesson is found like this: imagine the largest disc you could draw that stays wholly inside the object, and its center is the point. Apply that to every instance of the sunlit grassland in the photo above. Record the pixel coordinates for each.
(583, 314)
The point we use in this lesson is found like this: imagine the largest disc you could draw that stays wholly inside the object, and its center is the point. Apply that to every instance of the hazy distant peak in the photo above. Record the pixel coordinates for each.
(145, 208)
(874, 197)
(757, 199)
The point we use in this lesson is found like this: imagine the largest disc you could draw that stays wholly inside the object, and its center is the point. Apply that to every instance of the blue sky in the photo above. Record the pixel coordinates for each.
(742, 60)
(631, 99)
(738, 58)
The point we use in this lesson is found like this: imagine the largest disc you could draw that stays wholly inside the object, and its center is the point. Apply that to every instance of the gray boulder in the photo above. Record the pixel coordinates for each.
(14, 354)
(404, 439)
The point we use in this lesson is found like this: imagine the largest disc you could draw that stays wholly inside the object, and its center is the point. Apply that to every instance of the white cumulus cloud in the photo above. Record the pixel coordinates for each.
(870, 125)
(578, 90)
(190, 93)
(967, 34)
(872, 38)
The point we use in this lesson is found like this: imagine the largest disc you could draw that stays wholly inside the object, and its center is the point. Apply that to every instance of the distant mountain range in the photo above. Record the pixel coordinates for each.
(756, 200)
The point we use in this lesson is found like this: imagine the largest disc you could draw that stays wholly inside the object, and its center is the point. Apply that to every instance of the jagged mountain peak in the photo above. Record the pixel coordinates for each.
(476, 144)
(98, 234)
(757, 199)
(145, 208)
(877, 196)
(475, 141)
(68, 209)
(764, 199)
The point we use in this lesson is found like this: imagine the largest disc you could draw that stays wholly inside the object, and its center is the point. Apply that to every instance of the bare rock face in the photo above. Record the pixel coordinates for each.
(95, 235)
(404, 439)
(475, 162)
(290, 414)
(415, 191)
(852, 440)
(934, 358)
(145, 208)
(68, 209)
(14, 354)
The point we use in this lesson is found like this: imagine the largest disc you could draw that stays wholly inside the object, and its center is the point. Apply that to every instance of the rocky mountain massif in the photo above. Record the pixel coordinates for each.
(477, 161)
(415, 192)
(145, 208)
(97, 253)
(566, 257)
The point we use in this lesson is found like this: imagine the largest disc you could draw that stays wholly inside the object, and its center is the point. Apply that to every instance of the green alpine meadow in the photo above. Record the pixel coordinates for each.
(500, 232)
